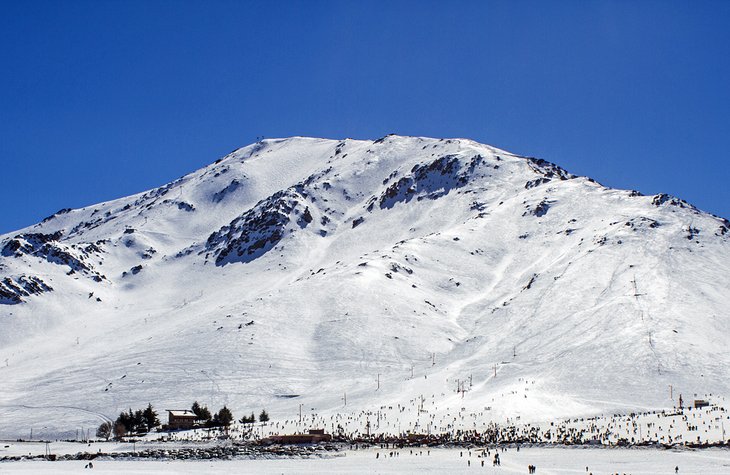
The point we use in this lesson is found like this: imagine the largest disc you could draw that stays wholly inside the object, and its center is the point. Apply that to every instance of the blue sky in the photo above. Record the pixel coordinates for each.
(103, 99)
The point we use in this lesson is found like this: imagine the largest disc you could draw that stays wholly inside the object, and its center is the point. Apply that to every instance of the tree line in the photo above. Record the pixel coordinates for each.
(141, 422)
(224, 417)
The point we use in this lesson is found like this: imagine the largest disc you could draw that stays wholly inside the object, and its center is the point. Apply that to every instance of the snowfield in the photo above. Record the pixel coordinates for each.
(551, 461)
(340, 278)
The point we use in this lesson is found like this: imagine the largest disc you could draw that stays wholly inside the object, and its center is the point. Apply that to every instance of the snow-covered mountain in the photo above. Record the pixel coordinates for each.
(381, 270)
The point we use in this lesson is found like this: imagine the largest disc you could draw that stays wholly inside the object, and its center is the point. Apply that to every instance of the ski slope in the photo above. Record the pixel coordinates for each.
(310, 271)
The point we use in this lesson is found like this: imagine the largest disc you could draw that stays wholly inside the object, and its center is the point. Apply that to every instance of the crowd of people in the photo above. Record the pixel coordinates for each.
(421, 421)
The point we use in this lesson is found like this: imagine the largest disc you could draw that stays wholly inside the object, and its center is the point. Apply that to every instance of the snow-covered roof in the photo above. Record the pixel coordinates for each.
(181, 413)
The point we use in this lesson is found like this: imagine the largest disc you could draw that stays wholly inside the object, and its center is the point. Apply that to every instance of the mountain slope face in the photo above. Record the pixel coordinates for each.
(316, 268)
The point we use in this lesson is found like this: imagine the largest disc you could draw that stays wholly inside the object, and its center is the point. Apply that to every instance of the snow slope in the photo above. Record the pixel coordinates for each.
(315, 268)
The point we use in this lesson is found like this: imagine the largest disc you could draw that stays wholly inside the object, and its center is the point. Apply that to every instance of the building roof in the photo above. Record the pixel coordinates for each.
(181, 413)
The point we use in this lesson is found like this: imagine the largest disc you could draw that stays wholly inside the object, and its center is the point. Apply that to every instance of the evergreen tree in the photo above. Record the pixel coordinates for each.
(248, 419)
(264, 416)
(135, 421)
(150, 418)
(224, 417)
(124, 421)
(201, 411)
(138, 424)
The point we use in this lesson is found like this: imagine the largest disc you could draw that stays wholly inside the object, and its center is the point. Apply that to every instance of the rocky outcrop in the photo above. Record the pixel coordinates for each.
(14, 289)
(259, 229)
(49, 248)
(428, 181)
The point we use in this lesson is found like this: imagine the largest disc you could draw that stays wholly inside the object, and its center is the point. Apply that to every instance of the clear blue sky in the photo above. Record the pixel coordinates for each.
(103, 99)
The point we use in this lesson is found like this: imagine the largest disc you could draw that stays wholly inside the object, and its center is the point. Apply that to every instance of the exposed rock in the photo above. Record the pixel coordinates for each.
(220, 195)
(430, 181)
(258, 230)
(12, 290)
(181, 205)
